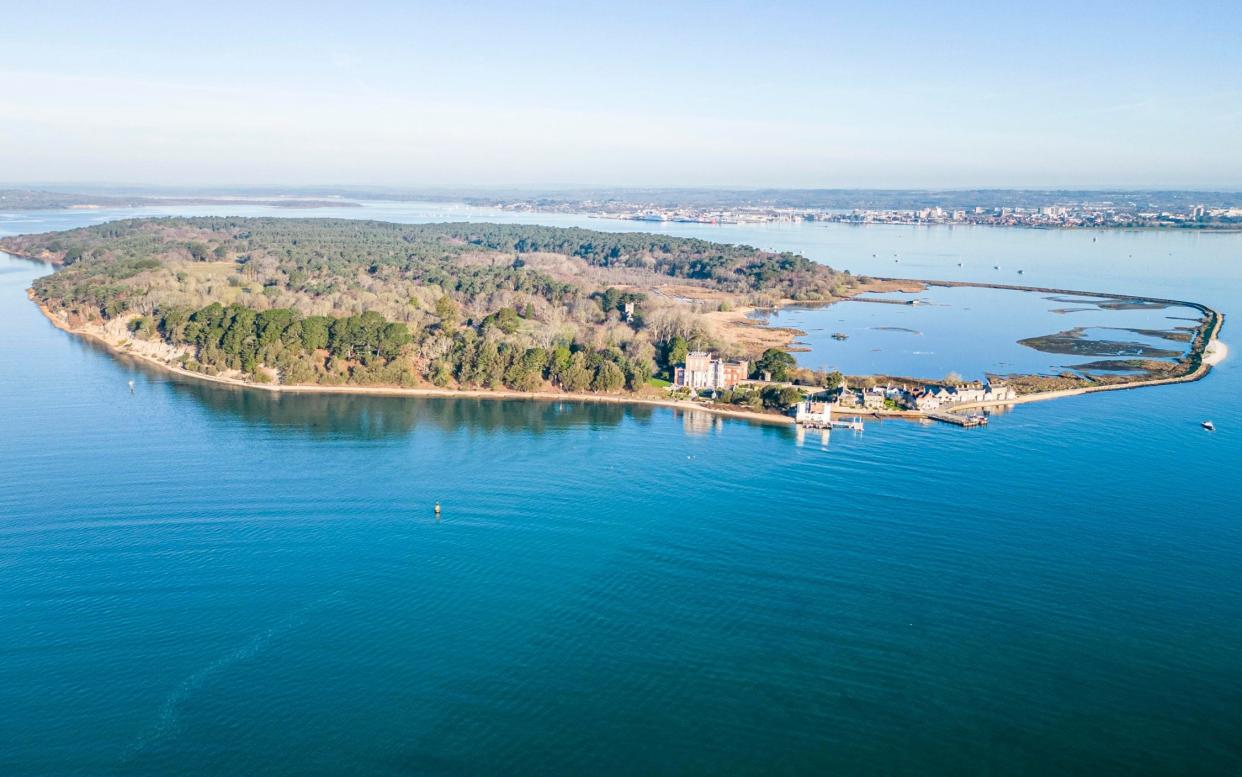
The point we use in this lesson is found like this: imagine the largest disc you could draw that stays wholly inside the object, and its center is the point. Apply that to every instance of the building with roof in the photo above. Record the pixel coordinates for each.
(811, 412)
(704, 370)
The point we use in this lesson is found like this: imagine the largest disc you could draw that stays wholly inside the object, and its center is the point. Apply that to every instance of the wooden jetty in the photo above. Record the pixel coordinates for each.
(958, 419)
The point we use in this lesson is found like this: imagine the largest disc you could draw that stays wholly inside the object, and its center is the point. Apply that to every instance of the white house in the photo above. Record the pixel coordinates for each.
(813, 413)
(926, 401)
(998, 391)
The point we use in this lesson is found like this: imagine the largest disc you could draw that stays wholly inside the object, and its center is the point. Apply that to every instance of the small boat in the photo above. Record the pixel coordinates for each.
(1021, 271)
(1211, 427)
(840, 336)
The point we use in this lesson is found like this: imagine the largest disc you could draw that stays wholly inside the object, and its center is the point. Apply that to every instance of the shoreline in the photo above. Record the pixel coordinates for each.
(1215, 353)
(1208, 354)
(1208, 228)
(397, 391)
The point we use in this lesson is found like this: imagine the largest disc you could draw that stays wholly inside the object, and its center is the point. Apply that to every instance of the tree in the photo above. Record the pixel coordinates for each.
(198, 251)
(781, 397)
(608, 377)
(506, 320)
(447, 312)
(610, 299)
(342, 337)
(776, 362)
(393, 337)
(239, 341)
(441, 372)
(577, 376)
(271, 324)
(526, 372)
(535, 360)
(173, 323)
(315, 332)
(559, 361)
(676, 352)
(637, 372)
(489, 365)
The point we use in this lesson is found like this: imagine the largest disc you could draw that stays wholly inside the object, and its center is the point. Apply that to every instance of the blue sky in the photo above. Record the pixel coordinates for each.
(662, 94)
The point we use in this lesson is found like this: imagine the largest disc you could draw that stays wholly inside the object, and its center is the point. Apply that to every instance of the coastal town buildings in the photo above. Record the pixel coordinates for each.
(704, 370)
(1069, 214)
(929, 398)
(925, 398)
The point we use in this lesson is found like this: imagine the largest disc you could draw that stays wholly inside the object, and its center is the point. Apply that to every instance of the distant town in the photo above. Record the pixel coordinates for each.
(1088, 214)
(1048, 209)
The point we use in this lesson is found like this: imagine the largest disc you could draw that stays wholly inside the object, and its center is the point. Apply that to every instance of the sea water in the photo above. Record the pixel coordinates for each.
(196, 579)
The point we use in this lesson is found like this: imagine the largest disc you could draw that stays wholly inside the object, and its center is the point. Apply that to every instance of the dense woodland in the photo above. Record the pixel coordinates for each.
(454, 305)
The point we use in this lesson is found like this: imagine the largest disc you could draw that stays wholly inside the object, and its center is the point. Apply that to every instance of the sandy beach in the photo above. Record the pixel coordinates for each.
(397, 391)
(1216, 353)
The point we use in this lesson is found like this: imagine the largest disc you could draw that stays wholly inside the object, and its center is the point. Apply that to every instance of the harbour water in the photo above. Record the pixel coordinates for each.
(201, 580)
(976, 331)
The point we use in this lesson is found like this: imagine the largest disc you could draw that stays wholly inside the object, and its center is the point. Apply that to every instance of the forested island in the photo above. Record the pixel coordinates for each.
(331, 302)
(495, 309)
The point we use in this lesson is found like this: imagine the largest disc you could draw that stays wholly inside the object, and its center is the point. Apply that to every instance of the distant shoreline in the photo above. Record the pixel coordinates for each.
(1227, 229)
(689, 212)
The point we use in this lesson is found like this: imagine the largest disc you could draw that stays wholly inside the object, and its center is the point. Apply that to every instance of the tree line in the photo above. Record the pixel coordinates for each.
(366, 348)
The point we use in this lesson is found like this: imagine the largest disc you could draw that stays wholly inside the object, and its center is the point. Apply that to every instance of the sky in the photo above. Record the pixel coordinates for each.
(737, 94)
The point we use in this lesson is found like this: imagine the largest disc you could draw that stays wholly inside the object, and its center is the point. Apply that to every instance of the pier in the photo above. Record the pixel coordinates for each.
(960, 420)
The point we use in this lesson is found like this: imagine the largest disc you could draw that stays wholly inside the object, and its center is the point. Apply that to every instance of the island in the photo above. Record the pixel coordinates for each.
(495, 310)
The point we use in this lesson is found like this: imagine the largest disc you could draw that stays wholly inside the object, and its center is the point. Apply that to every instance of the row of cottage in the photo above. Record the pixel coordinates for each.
(704, 370)
(925, 398)
(818, 411)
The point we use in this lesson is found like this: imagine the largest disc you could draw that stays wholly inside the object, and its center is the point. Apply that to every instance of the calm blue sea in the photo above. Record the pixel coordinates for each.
(199, 580)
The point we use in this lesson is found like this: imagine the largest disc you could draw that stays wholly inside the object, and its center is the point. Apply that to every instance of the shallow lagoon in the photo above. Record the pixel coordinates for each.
(972, 331)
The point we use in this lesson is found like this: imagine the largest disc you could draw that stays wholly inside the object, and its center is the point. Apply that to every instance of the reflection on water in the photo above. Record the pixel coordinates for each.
(373, 417)
(822, 436)
(376, 417)
(700, 422)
